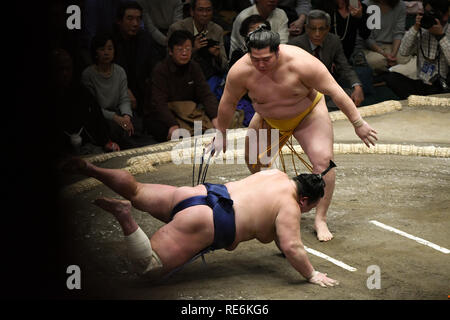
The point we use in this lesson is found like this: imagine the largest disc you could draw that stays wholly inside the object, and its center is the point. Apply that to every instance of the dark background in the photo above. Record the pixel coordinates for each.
(32, 228)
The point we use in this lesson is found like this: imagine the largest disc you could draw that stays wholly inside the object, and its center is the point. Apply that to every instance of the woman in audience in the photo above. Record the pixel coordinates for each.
(107, 81)
(79, 120)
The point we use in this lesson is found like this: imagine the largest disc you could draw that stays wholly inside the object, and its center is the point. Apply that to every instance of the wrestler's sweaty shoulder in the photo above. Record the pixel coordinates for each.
(291, 52)
(241, 66)
(295, 56)
(240, 70)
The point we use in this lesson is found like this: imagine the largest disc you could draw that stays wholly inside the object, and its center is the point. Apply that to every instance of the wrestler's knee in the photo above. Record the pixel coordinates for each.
(320, 163)
(144, 260)
(251, 155)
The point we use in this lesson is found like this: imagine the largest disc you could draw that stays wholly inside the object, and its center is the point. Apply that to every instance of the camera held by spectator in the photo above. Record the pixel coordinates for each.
(429, 18)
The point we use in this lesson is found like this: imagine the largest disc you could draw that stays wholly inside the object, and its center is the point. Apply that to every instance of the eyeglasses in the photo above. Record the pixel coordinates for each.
(321, 29)
(180, 49)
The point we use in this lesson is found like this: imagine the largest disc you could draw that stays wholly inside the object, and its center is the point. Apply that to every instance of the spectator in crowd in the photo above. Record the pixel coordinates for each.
(180, 94)
(296, 11)
(158, 16)
(81, 126)
(412, 9)
(208, 49)
(107, 81)
(99, 16)
(327, 47)
(382, 45)
(269, 11)
(348, 22)
(429, 39)
(226, 10)
(134, 51)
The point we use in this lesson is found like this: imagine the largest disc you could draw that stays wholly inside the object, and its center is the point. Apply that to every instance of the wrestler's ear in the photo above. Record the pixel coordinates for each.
(303, 201)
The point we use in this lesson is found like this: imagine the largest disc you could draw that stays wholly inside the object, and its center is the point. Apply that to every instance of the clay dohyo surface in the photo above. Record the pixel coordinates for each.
(408, 193)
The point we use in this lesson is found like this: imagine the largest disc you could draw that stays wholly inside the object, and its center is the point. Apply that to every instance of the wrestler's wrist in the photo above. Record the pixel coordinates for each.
(358, 122)
(313, 274)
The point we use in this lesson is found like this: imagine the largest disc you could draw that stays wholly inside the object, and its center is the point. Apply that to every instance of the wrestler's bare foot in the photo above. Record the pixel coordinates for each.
(321, 228)
(121, 210)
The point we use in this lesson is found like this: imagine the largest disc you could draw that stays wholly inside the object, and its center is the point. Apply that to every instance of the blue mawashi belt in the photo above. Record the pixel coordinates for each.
(218, 199)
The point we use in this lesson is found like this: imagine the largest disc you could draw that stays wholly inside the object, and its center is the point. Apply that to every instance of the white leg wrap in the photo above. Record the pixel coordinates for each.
(141, 254)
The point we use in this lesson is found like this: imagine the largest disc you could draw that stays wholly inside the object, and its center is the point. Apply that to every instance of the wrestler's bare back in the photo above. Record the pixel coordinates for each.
(257, 200)
(280, 93)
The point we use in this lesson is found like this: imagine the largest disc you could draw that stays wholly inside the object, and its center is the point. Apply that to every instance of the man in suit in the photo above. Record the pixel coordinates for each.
(208, 50)
(327, 47)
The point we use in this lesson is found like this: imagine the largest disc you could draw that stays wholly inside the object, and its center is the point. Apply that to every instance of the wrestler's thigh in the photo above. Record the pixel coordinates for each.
(155, 199)
(253, 133)
(315, 136)
(191, 231)
(252, 130)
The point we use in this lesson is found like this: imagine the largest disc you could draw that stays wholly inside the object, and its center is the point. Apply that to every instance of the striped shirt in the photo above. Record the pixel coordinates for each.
(432, 55)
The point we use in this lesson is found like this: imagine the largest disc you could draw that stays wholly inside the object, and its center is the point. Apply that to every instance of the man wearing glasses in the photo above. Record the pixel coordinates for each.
(327, 47)
(208, 47)
(179, 92)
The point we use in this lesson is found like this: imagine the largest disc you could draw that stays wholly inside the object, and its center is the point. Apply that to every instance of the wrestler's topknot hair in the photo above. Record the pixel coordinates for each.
(263, 37)
(310, 185)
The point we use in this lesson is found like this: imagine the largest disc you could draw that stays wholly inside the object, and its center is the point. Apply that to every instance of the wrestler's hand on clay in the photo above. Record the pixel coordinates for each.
(322, 280)
(367, 134)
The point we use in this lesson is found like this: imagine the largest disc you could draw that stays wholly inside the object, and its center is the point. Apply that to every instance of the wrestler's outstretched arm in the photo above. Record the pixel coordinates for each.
(314, 74)
(288, 239)
(234, 90)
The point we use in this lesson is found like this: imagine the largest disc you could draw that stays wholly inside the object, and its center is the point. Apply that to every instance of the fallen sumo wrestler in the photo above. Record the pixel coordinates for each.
(266, 206)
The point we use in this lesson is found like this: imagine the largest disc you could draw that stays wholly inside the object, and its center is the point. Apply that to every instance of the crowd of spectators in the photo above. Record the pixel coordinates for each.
(139, 70)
